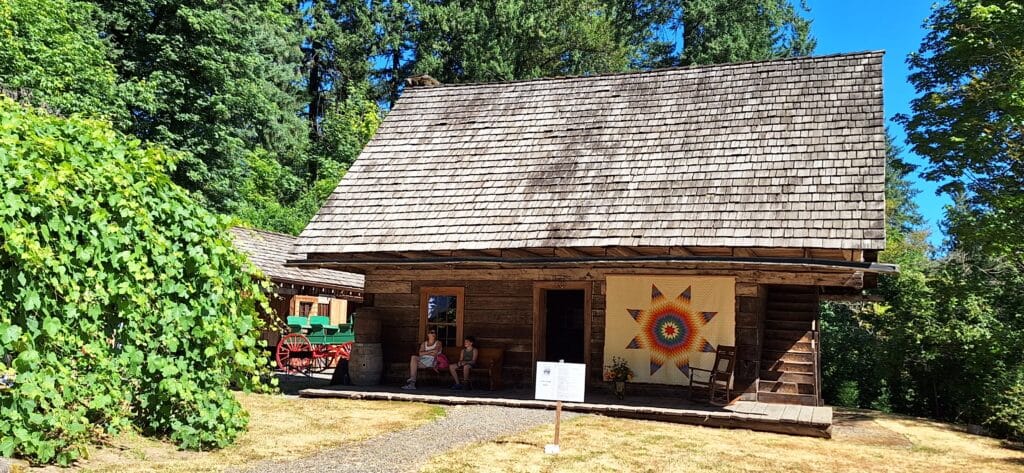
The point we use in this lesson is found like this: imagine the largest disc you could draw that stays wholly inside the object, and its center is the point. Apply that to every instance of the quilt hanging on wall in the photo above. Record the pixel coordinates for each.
(664, 325)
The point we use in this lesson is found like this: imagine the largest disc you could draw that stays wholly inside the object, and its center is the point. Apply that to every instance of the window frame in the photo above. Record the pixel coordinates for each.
(460, 306)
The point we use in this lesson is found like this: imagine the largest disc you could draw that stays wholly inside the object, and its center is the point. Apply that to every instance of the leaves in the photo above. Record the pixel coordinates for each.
(721, 31)
(223, 84)
(96, 339)
(968, 118)
(53, 52)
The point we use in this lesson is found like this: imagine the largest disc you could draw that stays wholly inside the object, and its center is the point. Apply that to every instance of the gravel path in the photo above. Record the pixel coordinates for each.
(407, 450)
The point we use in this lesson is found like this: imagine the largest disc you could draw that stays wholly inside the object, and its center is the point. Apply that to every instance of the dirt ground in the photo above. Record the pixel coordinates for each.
(858, 426)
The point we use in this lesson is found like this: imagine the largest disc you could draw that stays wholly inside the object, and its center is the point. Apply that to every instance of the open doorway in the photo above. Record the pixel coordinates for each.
(564, 325)
(561, 322)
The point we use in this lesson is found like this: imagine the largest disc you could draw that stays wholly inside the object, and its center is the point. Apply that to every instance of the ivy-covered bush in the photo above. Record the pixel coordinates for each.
(123, 301)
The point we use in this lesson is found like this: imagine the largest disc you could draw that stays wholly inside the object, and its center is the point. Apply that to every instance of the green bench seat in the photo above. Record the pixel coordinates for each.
(319, 330)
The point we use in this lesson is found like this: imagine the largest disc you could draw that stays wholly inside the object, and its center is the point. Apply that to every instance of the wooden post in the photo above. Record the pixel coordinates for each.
(558, 419)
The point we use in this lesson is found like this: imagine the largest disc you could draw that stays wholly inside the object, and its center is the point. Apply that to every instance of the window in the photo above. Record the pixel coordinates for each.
(441, 309)
(305, 308)
(323, 309)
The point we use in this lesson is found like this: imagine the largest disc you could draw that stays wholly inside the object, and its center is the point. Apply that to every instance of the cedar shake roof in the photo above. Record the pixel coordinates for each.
(783, 153)
(269, 250)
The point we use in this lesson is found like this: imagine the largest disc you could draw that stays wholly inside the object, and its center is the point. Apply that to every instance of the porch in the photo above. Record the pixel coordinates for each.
(811, 421)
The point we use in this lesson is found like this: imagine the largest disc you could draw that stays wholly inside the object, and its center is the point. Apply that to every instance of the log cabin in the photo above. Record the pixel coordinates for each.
(650, 216)
(296, 291)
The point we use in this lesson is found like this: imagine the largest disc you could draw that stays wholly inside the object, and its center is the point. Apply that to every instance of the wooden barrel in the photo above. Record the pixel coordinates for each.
(367, 329)
(366, 364)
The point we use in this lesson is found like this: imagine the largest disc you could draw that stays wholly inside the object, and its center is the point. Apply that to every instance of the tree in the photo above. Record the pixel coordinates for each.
(518, 39)
(338, 44)
(224, 75)
(875, 346)
(968, 120)
(394, 44)
(52, 51)
(275, 199)
(902, 214)
(721, 31)
(465, 41)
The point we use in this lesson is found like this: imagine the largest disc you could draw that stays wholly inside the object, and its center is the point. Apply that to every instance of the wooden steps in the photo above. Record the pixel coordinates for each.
(777, 324)
(774, 398)
(788, 367)
(789, 357)
(787, 377)
(801, 336)
(772, 356)
(788, 345)
(777, 387)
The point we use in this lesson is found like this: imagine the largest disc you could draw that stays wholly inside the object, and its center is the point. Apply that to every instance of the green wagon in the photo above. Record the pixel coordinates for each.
(313, 344)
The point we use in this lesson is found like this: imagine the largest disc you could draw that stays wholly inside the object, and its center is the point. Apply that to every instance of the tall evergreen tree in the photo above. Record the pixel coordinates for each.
(223, 74)
(336, 54)
(468, 41)
(394, 43)
(721, 31)
(463, 41)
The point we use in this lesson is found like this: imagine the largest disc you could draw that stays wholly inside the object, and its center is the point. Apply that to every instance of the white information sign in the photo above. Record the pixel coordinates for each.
(560, 381)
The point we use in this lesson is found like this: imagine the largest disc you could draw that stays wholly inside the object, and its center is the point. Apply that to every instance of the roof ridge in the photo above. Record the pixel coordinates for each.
(870, 52)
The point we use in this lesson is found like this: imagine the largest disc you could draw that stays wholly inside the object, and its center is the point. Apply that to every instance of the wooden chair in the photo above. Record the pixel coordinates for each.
(718, 377)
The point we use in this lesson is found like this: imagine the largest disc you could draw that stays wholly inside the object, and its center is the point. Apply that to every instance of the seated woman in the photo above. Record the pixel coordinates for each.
(426, 358)
(467, 360)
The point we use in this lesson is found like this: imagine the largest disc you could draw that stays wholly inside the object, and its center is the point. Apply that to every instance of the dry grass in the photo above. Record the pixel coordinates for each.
(597, 444)
(279, 428)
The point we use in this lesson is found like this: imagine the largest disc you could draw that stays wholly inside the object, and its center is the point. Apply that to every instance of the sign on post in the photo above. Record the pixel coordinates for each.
(559, 382)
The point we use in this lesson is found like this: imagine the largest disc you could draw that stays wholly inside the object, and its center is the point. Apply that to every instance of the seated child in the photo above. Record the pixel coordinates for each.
(467, 359)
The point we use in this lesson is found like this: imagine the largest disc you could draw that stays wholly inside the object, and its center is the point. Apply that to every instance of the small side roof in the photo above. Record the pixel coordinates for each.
(269, 251)
(786, 154)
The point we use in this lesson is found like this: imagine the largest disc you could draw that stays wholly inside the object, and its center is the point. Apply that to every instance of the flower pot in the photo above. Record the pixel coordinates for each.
(620, 389)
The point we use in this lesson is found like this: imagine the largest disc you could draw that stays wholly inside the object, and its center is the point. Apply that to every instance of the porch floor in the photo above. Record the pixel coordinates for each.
(809, 421)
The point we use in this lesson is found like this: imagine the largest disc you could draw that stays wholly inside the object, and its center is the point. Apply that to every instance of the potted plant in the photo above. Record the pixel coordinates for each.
(618, 372)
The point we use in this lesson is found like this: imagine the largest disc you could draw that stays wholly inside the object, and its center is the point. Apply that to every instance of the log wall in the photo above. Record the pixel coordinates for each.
(499, 311)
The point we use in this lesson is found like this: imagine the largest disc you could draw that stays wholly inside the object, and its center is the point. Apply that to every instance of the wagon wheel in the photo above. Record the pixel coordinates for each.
(323, 356)
(294, 353)
(345, 350)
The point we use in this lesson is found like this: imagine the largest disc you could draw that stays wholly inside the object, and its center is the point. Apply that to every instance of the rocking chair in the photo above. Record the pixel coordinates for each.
(718, 377)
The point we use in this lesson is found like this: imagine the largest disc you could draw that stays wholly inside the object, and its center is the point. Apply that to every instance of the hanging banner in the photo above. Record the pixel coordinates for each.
(664, 325)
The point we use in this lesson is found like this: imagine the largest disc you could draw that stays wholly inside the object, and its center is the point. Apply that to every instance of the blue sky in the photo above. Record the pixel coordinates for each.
(895, 26)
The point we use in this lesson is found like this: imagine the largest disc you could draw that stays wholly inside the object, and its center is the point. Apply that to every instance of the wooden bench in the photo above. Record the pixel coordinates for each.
(488, 363)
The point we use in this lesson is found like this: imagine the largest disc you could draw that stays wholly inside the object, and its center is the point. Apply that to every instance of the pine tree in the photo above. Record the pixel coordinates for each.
(721, 31)
(223, 74)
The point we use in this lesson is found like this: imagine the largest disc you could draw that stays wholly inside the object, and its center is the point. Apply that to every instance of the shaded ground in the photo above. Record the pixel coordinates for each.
(857, 426)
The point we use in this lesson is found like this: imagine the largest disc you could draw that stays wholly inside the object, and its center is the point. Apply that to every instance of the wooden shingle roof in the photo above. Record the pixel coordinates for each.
(269, 251)
(783, 153)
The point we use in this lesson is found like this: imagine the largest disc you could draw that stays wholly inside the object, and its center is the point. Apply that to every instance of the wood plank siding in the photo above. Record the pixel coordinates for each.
(500, 307)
